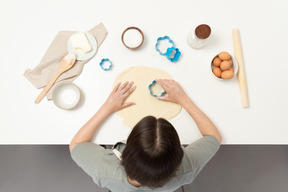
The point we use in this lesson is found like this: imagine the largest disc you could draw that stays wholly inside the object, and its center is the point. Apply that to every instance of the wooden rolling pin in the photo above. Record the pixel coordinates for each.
(241, 70)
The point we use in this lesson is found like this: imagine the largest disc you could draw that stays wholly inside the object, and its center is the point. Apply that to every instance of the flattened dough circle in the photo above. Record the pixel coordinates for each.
(145, 103)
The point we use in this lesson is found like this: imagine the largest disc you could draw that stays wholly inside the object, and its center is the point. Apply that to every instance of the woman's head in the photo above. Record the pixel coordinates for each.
(153, 152)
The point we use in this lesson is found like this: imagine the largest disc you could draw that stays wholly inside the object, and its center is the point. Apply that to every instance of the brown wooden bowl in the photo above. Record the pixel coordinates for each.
(137, 30)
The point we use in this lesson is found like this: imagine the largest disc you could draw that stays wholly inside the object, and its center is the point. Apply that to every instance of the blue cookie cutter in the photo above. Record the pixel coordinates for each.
(154, 95)
(104, 61)
(170, 52)
(161, 39)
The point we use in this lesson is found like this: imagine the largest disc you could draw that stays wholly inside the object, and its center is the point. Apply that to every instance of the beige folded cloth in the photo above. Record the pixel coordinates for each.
(41, 75)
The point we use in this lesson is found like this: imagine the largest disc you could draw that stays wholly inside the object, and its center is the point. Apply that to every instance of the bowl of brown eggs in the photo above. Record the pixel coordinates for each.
(224, 66)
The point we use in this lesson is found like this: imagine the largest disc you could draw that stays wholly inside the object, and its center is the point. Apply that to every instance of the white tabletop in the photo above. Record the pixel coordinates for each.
(28, 27)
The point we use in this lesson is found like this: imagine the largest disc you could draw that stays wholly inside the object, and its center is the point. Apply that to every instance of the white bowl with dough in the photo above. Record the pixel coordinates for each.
(66, 95)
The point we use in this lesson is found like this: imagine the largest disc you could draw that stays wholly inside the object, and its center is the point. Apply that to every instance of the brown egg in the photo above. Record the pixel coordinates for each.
(227, 74)
(225, 65)
(231, 69)
(231, 63)
(217, 71)
(216, 62)
(224, 56)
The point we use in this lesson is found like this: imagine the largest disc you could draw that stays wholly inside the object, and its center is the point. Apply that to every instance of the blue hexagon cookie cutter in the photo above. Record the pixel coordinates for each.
(103, 61)
(173, 54)
(154, 95)
(161, 39)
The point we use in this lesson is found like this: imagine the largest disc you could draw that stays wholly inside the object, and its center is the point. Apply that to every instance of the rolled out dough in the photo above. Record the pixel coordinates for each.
(145, 103)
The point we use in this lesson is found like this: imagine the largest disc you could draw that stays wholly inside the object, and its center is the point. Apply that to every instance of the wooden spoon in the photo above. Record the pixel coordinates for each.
(66, 63)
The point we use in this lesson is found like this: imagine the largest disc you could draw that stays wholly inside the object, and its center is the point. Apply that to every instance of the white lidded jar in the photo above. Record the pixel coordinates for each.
(198, 36)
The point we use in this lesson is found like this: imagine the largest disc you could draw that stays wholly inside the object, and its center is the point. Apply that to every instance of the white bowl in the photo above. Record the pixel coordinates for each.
(234, 67)
(66, 95)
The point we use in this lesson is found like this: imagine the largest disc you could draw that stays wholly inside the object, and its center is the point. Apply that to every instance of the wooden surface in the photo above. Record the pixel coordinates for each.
(28, 28)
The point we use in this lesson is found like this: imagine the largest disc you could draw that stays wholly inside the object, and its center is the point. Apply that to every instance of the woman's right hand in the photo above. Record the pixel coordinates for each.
(177, 95)
(174, 90)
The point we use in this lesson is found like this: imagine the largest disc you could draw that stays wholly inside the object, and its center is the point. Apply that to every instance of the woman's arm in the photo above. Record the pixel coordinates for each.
(115, 102)
(176, 94)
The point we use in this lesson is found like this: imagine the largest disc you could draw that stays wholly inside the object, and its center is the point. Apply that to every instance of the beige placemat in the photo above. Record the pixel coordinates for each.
(41, 75)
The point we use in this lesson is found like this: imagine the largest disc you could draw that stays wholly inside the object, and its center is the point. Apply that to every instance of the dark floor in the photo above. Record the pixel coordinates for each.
(235, 168)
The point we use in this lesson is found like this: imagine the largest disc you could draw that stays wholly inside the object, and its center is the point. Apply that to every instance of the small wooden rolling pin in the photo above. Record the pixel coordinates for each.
(241, 70)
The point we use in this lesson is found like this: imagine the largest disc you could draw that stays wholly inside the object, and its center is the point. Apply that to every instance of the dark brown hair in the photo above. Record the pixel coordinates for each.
(153, 152)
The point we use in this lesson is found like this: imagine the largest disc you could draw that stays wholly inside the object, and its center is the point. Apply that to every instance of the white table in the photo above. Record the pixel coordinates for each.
(28, 27)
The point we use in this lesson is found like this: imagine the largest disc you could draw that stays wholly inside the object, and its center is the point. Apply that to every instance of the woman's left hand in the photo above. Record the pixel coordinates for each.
(116, 99)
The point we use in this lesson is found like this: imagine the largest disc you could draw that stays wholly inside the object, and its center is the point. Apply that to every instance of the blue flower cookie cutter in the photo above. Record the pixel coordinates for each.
(154, 95)
(104, 67)
(161, 39)
(173, 54)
